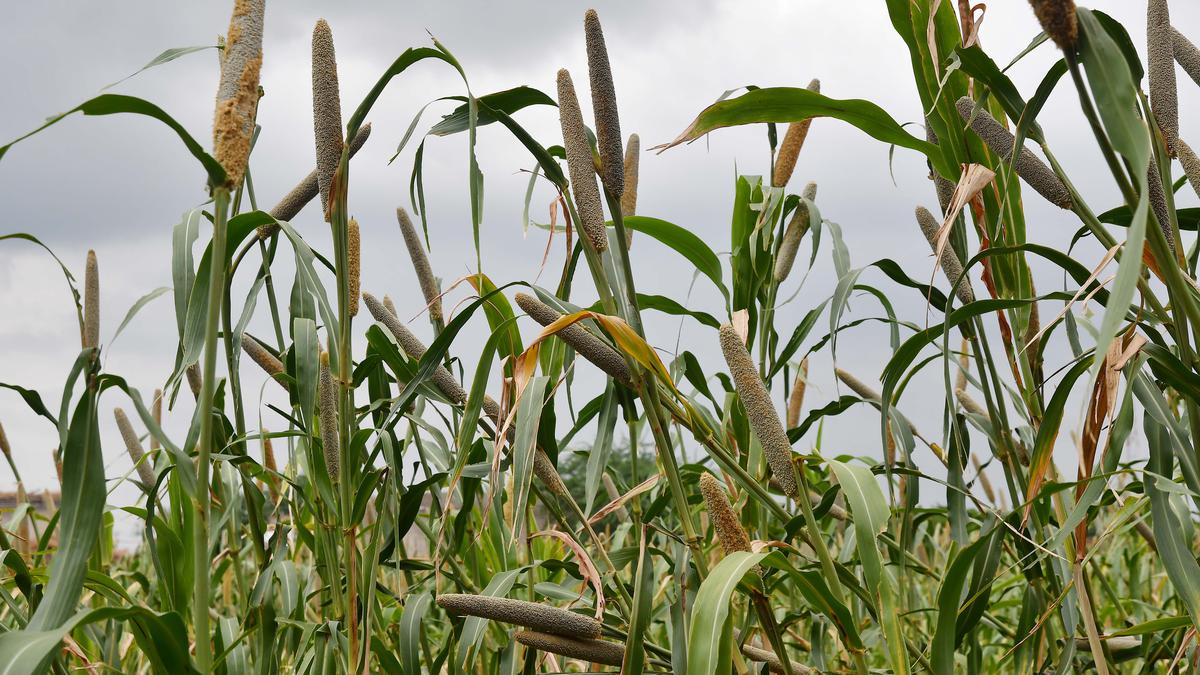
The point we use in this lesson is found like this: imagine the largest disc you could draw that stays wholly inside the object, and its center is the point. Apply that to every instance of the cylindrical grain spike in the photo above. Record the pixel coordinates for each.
(724, 519)
(328, 400)
(306, 190)
(354, 262)
(970, 405)
(389, 305)
(857, 386)
(796, 398)
(544, 469)
(193, 379)
(810, 191)
(1058, 20)
(633, 152)
(583, 341)
(594, 651)
(1029, 167)
(134, 447)
(1160, 69)
(1158, 203)
(1186, 54)
(580, 165)
(793, 142)
(761, 413)
(416, 251)
(265, 359)
(412, 346)
(949, 262)
(539, 617)
(237, 93)
(91, 302)
(789, 246)
(1190, 163)
(327, 109)
(604, 106)
(760, 655)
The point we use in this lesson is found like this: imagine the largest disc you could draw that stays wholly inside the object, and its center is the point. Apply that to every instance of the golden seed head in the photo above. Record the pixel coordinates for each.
(442, 379)
(793, 142)
(270, 364)
(91, 303)
(328, 398)
(134, 447)
(594, 651)
(1186, 54)
(539, 617)
(796, 398)
(949, 262)
(761, 413)
(789, 246)
(1160, 62)
(327, 109)
(306, 190)
(1028, 166)
(580, 165)
(724, 519)
(581, 339)
(430, 288)
(1058, 20)
(604, 106)
(354, 258)
(633, 152)
(237, 93)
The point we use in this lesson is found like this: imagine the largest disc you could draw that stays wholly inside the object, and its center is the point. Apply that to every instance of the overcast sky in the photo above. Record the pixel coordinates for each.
(118, 184)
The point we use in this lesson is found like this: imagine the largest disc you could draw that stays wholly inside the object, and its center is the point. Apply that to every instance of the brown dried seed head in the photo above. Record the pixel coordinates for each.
(327, 109)
(237, 93)
(763, 418)
(544, 469)
(91, 302)
(1160, 62)
(729, 529)
(581, 339)
(633, 153)
(306, 190)
(594, 651)
(793, 142)
(796, 398)
(265, 359)
(1186, 54)
(134, 447)
(949, 262)
(1058, 20)
(580, 165)
(1190, 163)
(420, 261)
(412, 346)
(354, 260)
(1029, 167)
(539, 617)
(328, 395)
(604, 106)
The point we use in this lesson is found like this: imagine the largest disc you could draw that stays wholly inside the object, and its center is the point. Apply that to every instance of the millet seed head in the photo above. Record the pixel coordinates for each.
(951, 266)
(1186, 54)
(414, 348)
(793, 142)
(1160, 69)
(1190, 163)
(237, 93)
(354, 260)
(594, 651)
(306, 190)
(270, 364)
(581, 339)
(604, 106)
(430, 288)
(134, 447)
(633, 153)
(580, 165)
(1028, 166)
(328, 400)
(327, 109)
(789, 246)
(796, 398)
(537, 616)
(1158, 203)
(724, 519)
(91, 302)
(857, 386)
(1058, 20)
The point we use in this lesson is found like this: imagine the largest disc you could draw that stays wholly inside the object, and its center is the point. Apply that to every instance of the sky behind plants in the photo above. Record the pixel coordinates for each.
(118, 184)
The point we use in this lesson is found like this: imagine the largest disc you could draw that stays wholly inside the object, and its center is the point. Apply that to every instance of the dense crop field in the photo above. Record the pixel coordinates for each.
(527, 477)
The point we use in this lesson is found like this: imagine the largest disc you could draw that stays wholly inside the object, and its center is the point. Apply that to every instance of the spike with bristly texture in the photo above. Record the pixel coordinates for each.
(270, 364)
(544, 618)
(1160, 70)
(193, 379)
(306, 190)
(134, 447)
(544, 469)
(416, 251)
(354, 262)
(729, 529)
(789, 246)
(442, 379)
(1028, 166)
(327, 109)
(1186, 54)
(1190, 163)
(951, 266)
(389, 305)
(580, 165)
(604, 106)
(796, 398)
(857, 386)
(328, 399)
(91, 302)
(760, 412)
(760, 655)
(1058, 20)
(593, 651)
(581, 339)
(969, 404)
(633, 151)
(237, 93)
(1158, 203)
(793, 142)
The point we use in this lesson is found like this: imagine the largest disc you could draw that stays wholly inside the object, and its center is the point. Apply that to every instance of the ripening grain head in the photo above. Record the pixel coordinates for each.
(724, 519)
(306, 189)
(949, 262)
(420, 261)
(414, 348)
(593, 651)
(134, 447)
(761, 413)
(796, 398)
(1186, 54)
(1028, 166)
(327, 109)
(270, 364)
(1058, 21)
(793, 142)
(580, 165)
(1190, 163)
(544, 618)
(1160, 70)
(633, 151)
(354, 262)
(581, 339)
(237, 93)
(328, 400)
(604, 106)
(91, 302)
